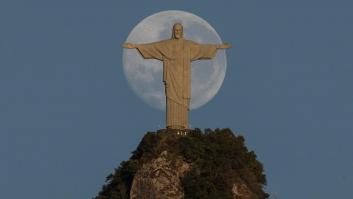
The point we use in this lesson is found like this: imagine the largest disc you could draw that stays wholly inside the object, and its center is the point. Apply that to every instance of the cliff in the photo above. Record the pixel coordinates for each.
(200, 165)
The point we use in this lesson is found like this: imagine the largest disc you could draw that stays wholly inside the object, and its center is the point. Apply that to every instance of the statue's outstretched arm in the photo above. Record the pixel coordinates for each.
(129, 45)
(152, 50)
(223, 46)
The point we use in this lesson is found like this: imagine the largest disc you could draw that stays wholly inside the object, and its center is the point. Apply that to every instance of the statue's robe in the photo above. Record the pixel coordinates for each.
(176, 55)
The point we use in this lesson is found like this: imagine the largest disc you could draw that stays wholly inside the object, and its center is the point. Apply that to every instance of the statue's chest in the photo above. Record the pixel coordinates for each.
(179, 50)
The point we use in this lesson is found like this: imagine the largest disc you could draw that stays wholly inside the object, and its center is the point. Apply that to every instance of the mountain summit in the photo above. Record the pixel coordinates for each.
(168, 164)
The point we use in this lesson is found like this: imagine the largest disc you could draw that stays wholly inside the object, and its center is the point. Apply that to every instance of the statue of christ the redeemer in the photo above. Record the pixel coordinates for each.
(177, 54)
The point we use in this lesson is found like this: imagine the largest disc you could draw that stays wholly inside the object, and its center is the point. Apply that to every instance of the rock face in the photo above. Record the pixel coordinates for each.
(242, 191)
(193, 165)
(159, 179)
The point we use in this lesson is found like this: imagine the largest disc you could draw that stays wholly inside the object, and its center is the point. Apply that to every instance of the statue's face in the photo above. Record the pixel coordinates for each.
(178, 31)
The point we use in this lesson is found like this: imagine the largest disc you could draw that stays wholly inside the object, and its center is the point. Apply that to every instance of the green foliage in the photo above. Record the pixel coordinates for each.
(147, 147)
(218, 159)
(119, 184)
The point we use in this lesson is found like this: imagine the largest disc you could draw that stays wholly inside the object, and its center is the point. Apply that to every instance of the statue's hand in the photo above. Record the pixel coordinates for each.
(224, 46)
(129, 45)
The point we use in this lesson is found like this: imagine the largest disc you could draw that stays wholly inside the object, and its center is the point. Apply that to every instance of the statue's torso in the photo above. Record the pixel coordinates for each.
(177, 71)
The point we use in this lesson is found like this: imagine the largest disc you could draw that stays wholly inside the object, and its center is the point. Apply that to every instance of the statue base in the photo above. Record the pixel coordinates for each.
(180, 132)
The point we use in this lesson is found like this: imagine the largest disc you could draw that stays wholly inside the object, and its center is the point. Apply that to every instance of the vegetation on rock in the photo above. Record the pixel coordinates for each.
(219, 159)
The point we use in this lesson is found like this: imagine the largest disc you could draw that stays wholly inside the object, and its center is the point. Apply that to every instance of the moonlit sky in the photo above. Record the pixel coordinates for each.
(68, 116)
(145, 76)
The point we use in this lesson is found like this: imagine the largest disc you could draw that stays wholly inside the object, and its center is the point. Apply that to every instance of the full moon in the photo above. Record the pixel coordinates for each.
(145, 75)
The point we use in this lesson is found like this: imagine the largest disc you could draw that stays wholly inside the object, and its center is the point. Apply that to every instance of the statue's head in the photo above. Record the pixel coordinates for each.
(177, 31)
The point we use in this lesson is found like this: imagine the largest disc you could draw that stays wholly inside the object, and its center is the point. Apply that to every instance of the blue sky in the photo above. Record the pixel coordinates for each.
(68, 116)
